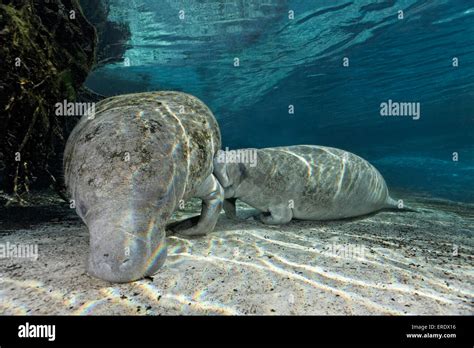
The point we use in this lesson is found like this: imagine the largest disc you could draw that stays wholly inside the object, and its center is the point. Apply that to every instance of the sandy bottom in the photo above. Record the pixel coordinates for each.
(388, 263)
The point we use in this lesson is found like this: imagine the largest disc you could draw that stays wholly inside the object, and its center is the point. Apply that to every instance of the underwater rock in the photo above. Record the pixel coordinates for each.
(112, 36)
(130, 167)
(303, 182)
(47, 50)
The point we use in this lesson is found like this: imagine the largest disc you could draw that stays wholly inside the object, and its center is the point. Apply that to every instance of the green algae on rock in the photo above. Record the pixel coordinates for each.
(47, 50)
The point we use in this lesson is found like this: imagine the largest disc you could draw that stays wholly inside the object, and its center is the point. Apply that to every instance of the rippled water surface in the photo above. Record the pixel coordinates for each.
(192, 46)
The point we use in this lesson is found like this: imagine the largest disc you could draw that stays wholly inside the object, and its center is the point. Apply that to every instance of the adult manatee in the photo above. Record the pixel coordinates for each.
(129, 165)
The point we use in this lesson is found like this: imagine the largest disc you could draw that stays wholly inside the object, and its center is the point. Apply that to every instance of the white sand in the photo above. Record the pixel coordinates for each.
(387, 263)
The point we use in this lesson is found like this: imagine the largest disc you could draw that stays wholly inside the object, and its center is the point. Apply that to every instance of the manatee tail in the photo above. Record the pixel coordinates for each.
(398, 205)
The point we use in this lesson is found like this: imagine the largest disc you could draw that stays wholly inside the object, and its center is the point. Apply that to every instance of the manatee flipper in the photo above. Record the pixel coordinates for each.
(230, 209)
(212, 195)
(220, 171)
(278, 215)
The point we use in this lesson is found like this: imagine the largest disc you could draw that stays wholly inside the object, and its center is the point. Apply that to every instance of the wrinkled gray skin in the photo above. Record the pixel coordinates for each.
(128, 168)
(304, 182)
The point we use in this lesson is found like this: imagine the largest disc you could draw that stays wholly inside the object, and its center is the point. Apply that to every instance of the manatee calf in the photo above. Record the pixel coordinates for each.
(303, 182)
(129, 166)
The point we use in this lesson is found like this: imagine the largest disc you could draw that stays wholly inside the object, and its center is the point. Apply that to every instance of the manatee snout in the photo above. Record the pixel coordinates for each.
(124, 252)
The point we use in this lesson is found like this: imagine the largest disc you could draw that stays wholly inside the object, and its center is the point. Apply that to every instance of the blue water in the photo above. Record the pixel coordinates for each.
(299, 62)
